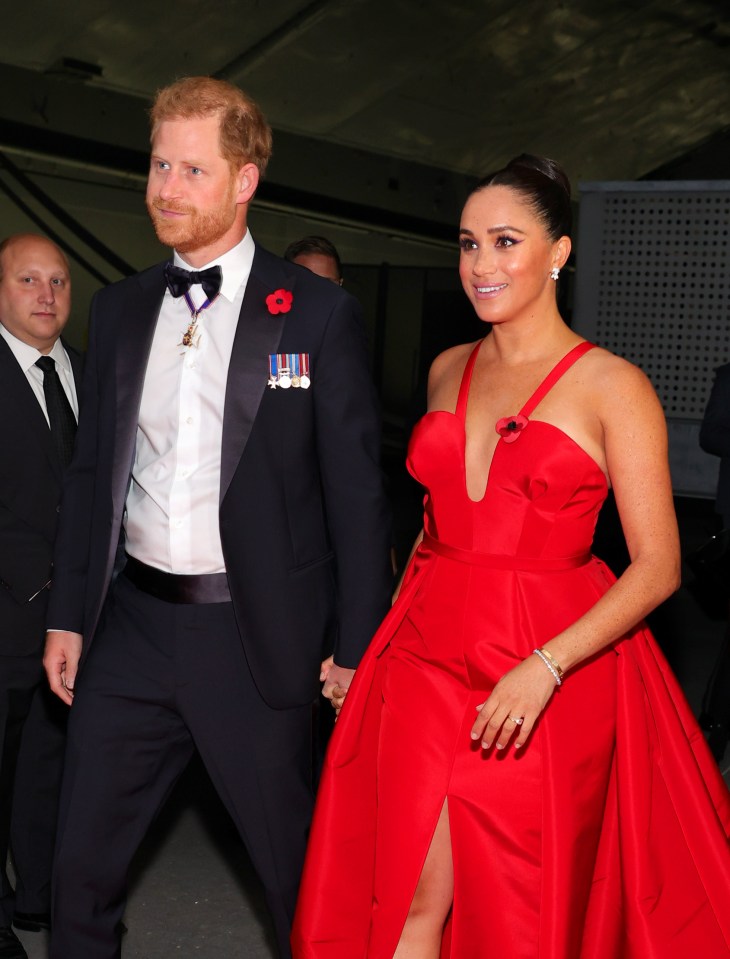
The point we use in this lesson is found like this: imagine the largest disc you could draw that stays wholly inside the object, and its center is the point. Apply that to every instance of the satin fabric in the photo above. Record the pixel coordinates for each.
(605, 837)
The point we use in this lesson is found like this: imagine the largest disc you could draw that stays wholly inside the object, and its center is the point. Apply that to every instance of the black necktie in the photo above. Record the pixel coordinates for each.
(60, 414)
(179, 281)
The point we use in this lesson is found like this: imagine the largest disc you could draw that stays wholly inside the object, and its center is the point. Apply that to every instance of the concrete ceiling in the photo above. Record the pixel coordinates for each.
(388, 105)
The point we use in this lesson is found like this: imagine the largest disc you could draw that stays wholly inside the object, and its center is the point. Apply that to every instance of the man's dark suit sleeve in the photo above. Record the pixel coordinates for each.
(715, 429)
(71, 554)
(348, 444)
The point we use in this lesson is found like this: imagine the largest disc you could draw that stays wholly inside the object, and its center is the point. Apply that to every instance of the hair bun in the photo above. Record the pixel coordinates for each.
(544, 165)
(545, 186)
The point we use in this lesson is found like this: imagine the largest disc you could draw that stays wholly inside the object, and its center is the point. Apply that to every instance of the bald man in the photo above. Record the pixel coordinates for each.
(36, 437)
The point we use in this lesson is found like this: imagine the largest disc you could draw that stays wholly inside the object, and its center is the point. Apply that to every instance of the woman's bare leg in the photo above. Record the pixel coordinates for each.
(423, 930)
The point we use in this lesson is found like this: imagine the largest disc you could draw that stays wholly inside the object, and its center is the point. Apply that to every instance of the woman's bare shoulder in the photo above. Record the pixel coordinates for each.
(450, 363)
(614, 381)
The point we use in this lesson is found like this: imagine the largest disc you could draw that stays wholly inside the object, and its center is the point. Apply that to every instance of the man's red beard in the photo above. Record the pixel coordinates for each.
(195, 230)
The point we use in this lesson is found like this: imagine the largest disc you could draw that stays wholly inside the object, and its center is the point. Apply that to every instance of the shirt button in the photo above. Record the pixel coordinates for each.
(190, 420)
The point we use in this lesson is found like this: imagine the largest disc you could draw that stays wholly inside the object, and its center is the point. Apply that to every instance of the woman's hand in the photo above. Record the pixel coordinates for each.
(521, 694)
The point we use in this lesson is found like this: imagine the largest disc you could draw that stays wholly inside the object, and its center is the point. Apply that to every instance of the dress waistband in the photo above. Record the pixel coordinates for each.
(502, 561)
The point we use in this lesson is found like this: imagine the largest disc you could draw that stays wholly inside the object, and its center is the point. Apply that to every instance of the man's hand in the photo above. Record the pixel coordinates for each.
(61, 661)
(336, 681)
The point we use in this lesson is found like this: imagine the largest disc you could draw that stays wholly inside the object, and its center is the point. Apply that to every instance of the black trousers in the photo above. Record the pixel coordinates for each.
(31, 757)
(161, 680)
(35, 799)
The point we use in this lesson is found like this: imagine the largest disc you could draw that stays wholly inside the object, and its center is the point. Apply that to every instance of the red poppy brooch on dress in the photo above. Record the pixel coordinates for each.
(509, 427)
(279, 301)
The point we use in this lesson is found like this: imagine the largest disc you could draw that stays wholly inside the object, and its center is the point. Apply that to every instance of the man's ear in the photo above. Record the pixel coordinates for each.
(248, 180)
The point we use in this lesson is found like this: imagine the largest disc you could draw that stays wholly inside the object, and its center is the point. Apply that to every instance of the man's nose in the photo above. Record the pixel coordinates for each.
(169, 186)
(47, 293)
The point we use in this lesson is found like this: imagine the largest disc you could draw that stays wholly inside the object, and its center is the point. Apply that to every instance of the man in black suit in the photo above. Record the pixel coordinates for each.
(35, 301)
(230, 436)
(715, 439)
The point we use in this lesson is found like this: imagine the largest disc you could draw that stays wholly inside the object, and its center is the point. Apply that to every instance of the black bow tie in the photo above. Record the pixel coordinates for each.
(179, 281)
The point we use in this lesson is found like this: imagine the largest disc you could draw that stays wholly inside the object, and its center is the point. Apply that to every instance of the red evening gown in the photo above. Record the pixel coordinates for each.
(605, 837)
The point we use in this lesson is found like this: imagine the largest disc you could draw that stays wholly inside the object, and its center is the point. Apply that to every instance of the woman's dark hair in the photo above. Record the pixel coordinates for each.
(543, 183)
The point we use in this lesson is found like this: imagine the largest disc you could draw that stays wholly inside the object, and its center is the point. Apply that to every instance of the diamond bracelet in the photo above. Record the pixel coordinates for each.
(552, 664)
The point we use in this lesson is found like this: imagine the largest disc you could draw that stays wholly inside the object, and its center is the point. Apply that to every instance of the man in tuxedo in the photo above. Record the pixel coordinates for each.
(38, 395)
(229, 442)
(715, 439)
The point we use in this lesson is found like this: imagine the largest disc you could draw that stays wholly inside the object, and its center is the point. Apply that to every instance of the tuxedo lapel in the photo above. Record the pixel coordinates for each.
(28, 408)
(136, 330)
(77, 365)
(257, 336)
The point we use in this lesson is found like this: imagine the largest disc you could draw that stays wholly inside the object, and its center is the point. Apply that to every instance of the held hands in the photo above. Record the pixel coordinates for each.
(61, 661)
(522, 693)
(336, 681)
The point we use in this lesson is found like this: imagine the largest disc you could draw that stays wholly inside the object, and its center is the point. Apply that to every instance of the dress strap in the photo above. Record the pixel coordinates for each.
(466, 382)
(554, 375)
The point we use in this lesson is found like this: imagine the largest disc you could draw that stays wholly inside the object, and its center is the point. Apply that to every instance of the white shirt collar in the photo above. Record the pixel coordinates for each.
(26, 355)
(235, 263)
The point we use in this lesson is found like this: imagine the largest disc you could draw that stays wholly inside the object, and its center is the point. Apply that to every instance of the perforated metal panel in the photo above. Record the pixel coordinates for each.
(653, 285)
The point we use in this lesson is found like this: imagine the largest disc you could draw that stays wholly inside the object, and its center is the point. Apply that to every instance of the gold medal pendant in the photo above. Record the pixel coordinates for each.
(190, 337)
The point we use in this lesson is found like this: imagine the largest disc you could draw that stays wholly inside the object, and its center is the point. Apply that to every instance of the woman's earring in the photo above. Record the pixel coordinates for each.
(554, 273)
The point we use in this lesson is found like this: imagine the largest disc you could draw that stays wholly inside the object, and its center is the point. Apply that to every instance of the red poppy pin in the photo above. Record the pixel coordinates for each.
(509, 427)
(279, 301)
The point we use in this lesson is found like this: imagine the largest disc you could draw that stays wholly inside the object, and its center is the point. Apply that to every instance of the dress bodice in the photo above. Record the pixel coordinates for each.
(543, 492)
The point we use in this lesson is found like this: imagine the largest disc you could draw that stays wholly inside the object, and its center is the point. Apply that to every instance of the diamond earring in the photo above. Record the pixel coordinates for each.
(554, 273)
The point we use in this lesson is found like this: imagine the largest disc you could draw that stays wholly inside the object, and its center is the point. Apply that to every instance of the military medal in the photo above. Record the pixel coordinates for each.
(295, 381)
(304, 380)
(289, 370)
(284, 380)
(191, 336)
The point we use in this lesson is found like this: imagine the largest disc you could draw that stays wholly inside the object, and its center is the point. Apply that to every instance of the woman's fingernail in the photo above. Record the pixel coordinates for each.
(486, 745)
(475, 735)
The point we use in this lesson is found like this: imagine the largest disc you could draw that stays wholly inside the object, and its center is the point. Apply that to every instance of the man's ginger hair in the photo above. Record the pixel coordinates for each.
(245, 136)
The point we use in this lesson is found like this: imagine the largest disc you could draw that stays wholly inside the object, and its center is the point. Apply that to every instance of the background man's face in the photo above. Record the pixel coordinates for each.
(35, 291)
(191, 189)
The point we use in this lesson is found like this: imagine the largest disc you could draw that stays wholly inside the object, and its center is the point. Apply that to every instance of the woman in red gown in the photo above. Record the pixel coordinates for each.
(515, 773)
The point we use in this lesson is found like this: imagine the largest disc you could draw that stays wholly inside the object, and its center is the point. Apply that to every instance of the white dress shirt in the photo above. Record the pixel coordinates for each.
(171, 518)
(26, 355)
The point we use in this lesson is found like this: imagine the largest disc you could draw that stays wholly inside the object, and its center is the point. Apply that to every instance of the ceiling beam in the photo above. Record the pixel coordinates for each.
(84, 123)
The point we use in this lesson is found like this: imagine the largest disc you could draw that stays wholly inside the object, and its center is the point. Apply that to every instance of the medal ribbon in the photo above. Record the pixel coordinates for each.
(189, 334)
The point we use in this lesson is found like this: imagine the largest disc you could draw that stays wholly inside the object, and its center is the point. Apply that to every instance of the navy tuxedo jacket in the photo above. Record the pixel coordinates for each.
(304, 521)
(31, 479)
